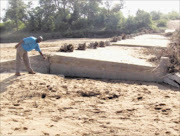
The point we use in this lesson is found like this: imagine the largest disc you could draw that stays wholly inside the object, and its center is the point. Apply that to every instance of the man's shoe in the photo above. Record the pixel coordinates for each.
(32, 72)
(17, 74)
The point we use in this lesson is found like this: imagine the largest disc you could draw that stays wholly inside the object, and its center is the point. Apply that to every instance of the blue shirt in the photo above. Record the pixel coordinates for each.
(30, 44)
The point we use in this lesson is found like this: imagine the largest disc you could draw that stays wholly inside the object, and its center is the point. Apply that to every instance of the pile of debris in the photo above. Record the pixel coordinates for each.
(67, 48)
(94, 45)
(174, 52)
(84, 46)
(172, 79)
(129, 36)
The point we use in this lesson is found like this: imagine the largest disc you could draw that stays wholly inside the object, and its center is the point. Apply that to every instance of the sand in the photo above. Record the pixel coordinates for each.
(44, 104)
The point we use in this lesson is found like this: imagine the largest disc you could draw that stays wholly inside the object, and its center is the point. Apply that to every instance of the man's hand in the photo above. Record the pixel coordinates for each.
(44, 57)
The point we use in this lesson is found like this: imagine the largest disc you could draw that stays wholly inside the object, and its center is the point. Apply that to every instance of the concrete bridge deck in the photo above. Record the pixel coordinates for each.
(111, 62)
(146, 41)
(110, 54)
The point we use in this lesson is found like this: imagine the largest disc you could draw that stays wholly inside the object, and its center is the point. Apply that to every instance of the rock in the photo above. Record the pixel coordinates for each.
(67, 48)
(119, 38)
(95, 45)
(91, 46)
(82, 47)
(171, 82)
(175, 77)
(114, 39)
(123, 36)
(101, 44)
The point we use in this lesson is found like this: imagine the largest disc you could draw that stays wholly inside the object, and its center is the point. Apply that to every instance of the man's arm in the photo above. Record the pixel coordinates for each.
(19, 43)
(42, 55)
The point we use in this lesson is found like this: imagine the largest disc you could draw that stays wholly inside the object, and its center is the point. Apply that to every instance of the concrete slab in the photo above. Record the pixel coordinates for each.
(110, 54)
(104, 63)
(81, 67)
(147, 41)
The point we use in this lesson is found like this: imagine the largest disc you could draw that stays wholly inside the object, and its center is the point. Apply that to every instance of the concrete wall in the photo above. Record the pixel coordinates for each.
(37, 63)
(78, 67)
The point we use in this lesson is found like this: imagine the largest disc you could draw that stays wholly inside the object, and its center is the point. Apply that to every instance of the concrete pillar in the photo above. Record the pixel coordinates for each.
(163, 65)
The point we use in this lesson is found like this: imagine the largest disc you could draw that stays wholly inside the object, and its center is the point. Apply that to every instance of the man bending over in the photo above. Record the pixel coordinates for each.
(25, 45)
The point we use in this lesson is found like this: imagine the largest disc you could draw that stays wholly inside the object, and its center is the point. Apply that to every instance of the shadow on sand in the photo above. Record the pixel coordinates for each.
(6, 82)
(161, 86)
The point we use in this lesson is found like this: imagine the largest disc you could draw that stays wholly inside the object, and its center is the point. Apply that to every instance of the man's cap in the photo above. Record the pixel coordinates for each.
(40, 37)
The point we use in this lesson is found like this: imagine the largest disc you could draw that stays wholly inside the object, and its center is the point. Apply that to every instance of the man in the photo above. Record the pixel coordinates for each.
(25, 45)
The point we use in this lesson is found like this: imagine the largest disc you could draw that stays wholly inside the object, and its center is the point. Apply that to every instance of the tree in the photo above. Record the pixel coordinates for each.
(16, 12)
(143, 19)
(156, 15)
(173, 15)
(118, 6)
(130, 24)
(48, 12)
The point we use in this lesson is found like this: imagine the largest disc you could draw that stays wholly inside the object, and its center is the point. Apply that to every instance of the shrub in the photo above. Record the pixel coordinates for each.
(2, 27)
(162, 23)
(174, 51)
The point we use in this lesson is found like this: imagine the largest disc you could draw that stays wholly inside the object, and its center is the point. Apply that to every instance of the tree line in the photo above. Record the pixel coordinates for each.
(78, 15)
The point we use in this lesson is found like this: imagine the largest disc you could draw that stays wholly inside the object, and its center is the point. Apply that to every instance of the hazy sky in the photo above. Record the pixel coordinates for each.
(131, 6)
(164, 6)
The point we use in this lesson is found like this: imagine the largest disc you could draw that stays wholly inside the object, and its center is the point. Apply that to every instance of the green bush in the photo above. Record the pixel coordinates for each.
(173, 15)
(2, 27)
(79, 24)
(162, 23)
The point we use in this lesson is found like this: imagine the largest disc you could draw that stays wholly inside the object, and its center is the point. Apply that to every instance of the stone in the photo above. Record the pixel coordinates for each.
(91, 46)
(119, 38)
(67, 48)
(123, 36)
(114, 39)
(102, 44)
(82, 47)
(170, 82)
(95, 45)
(175, 77)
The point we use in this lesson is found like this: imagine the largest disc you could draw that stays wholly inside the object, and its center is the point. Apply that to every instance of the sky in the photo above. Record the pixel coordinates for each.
(131, 6)
(164, 6)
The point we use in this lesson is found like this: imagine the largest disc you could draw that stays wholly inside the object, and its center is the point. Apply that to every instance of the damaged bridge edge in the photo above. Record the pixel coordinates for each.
(78, 67)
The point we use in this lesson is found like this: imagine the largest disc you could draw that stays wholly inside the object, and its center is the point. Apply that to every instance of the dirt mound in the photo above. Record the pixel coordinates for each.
(51, 105)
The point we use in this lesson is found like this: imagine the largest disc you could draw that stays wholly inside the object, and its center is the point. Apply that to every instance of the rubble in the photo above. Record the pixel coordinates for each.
(173, 79)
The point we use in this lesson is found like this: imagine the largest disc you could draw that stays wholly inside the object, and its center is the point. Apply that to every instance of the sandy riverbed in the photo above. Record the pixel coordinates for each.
(52, 105)
(44, 104)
